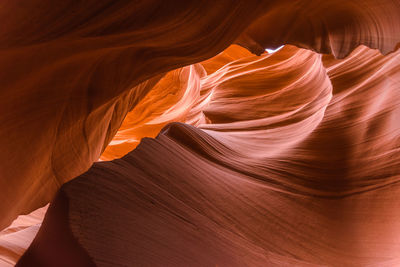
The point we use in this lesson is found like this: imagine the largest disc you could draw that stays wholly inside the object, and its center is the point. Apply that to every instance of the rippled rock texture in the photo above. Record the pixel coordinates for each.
(285, 159)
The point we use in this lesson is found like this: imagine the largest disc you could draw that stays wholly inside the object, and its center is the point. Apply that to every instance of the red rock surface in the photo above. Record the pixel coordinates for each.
(278, 159)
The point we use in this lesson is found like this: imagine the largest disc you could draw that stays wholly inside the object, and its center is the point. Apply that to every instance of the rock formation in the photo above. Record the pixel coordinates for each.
(258, 159)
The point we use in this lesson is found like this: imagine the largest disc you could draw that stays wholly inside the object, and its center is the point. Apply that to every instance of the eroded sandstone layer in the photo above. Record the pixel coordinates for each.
(294, 161)
(286, 158)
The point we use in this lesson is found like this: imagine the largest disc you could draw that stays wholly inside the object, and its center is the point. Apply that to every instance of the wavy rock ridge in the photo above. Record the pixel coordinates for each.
(291, 157)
